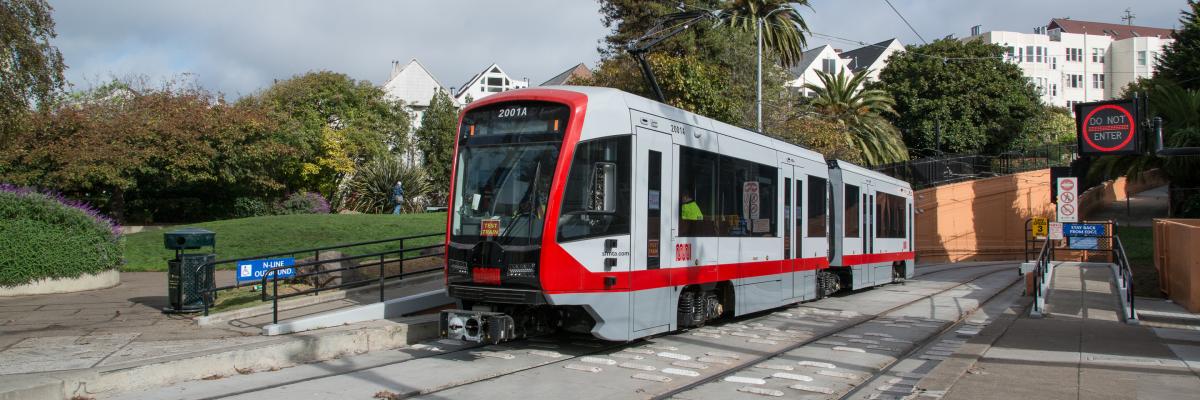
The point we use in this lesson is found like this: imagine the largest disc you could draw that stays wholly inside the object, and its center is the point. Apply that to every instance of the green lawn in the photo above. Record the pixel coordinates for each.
(246, 237)
(1139, 247)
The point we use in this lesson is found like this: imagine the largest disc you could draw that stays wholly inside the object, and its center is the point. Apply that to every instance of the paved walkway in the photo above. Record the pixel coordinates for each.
(1140, 210)
(125, 324)
(1082, 349)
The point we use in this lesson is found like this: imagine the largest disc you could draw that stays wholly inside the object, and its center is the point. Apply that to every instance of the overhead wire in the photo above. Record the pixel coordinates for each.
(914, 30)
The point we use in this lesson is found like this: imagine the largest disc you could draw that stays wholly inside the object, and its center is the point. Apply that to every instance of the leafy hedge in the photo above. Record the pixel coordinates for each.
(46, 236)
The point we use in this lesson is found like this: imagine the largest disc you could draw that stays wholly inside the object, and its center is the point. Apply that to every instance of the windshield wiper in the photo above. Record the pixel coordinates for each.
(531, 192)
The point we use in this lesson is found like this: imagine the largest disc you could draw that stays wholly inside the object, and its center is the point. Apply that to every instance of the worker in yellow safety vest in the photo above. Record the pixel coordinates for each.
(689, 210)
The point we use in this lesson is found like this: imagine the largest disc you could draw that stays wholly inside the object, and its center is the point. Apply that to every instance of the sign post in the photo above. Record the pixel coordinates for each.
(1068, 199)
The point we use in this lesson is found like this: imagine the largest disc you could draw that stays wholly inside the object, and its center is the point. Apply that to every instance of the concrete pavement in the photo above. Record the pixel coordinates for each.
(1139, 210)
(1082, 349)
(95, 341)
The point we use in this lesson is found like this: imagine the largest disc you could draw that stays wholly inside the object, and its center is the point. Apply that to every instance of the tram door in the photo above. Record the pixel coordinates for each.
(652, 310)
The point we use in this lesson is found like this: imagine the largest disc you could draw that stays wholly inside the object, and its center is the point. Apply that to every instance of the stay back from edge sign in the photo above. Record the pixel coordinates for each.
(1108, 127)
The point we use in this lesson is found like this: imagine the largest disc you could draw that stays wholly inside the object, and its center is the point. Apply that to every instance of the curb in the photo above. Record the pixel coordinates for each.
(100, 280)
(282, 353)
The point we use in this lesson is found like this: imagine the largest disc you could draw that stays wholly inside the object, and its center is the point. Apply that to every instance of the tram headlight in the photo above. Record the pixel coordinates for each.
(523, 270)
(458, 267)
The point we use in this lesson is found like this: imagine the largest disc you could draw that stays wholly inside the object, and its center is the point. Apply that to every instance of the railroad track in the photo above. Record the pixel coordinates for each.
(571, 348)
(764, 358)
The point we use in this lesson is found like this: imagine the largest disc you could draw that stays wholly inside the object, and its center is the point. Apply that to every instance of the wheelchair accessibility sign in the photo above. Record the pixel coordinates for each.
(253, 270)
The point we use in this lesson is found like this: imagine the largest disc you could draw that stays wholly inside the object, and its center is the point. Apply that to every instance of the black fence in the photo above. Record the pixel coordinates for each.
(951, 168)
(386, 259)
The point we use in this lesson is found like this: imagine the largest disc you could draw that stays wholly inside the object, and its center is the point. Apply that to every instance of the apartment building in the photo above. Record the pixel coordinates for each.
(1074, 61)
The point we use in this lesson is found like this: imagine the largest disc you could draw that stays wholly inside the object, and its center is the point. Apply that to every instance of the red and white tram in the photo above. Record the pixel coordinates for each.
(595, 210)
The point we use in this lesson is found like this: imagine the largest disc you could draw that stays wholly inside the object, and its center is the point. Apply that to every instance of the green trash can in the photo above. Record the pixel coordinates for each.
(189, 274)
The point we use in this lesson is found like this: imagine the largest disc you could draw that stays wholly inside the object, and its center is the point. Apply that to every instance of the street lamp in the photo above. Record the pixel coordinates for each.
(758, 28)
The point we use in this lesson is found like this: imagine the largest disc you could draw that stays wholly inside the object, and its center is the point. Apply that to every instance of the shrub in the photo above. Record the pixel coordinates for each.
(370, 190)
(245, 207)
(304, 203)
(43, 235)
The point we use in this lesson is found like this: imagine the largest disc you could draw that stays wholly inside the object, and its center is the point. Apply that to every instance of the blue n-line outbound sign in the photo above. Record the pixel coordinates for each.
(253, 270)
(1083, 230)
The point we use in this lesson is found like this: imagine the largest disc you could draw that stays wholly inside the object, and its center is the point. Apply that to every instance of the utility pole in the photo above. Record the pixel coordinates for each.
(1128, 17)
(759, 27)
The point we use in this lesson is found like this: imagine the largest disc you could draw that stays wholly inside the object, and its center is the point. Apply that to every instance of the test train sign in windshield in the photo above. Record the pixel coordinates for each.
(1108, 127)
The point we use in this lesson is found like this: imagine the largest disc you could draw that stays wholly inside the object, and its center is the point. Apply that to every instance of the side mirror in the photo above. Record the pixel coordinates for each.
(603, 196)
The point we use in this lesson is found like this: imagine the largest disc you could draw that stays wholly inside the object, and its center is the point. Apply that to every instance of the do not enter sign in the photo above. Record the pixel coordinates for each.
(1068, 200)
(1107, 128)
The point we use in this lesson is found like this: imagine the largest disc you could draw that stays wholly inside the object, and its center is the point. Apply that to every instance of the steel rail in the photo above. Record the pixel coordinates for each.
(758, 360)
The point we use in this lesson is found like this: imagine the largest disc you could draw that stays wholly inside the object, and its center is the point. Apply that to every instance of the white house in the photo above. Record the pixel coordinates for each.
(570, 76)
(871, 58)
(823, 58)
(415, 86)
(491, 80)
(1074, 61)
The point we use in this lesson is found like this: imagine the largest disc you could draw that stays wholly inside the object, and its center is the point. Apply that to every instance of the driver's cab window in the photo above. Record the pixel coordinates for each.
(596, 200)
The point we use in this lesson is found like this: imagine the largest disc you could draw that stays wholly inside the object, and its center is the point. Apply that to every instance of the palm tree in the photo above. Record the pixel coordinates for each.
(844, 99)
(783, 30)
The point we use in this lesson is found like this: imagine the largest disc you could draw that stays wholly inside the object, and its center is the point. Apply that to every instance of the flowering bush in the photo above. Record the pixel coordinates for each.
(44, 235)
(304, 203)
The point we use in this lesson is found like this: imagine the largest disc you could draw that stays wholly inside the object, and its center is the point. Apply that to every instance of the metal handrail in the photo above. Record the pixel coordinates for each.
(381, 281)
(1126, 272)
(208, 294)
(1042, 267)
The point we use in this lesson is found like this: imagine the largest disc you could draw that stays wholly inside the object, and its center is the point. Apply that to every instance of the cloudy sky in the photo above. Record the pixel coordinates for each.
(238, 47)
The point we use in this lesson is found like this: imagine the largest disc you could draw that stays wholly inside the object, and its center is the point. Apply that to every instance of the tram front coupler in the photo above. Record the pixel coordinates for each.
(477, 326)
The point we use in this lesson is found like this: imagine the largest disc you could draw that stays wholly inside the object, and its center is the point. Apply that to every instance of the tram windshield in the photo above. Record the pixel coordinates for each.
(506, 159)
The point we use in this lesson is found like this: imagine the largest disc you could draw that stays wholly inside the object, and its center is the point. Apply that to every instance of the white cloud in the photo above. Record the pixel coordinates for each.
(239, 47)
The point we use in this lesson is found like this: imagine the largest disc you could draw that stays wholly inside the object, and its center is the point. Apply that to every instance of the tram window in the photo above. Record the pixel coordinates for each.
(653, 209)
(851, 222)
(817, 195)
(697, 192)
(580, 219)
(747, 198)
(889, 211)
(787, 218)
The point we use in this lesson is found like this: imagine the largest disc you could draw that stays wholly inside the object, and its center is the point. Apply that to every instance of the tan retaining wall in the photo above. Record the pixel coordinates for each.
(1177, 258)
(980, 220)
(984, 219)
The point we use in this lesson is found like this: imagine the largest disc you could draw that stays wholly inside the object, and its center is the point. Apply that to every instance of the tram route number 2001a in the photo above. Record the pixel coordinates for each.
(513, 112)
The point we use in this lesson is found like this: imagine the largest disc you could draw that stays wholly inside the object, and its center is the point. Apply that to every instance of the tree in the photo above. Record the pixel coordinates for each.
(371, 186)
(964, 89)
(435, 139)
(783, 31)
(686, 82)
(175, 152)
(337, 123)
(1180, 61)
(30, 68)
(847, 101)
(702, 70)
(1051, 126)
(822, 135)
